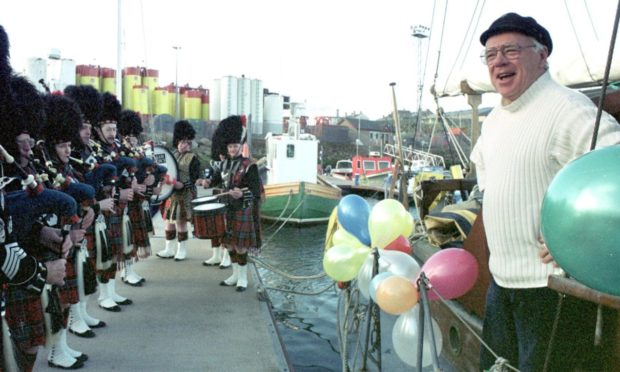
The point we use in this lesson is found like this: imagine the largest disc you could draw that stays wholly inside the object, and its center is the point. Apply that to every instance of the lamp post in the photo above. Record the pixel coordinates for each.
(176, 82)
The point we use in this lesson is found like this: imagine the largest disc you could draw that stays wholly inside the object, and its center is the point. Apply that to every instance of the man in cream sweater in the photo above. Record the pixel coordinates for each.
(537, 129)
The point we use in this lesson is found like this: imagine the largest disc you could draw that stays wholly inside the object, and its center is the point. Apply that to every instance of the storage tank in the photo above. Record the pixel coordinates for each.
(140, 99)
(66, 74)
(88, 75)
(228, 96)
(108, 80)
(214, 105)
(131, 77)
(151, 81)
(204, 105)
(256, 107)
(172, 97)
(273, 111)
(244, 96)
(162, 102)
(192, 104)
(37, 70)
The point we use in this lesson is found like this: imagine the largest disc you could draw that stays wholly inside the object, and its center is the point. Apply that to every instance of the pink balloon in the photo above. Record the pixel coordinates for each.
(452, 272)
(399, 244)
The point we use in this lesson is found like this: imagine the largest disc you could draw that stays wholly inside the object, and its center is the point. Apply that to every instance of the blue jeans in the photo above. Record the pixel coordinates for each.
(518, 325)
(25, 209)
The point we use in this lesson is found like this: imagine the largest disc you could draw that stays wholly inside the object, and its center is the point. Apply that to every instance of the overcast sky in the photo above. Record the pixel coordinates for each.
(332, 54)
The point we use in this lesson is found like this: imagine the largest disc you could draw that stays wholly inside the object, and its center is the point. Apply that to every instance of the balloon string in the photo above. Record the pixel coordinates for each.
(610, 55)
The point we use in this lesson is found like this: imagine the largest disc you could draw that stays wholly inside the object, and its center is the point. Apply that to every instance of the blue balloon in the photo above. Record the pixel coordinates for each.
(353, 212)
(580, 219)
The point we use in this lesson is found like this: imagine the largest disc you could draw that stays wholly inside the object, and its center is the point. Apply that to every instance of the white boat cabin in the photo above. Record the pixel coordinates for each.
(291, 159)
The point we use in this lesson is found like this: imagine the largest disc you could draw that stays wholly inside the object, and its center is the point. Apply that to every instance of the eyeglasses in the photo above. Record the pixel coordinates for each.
(510, 51)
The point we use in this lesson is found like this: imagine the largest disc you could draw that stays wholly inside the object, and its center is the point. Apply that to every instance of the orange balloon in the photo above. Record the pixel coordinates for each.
(396, 294)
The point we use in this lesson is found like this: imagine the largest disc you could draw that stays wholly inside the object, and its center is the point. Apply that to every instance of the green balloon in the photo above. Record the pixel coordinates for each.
(343, 262)
(580, 219)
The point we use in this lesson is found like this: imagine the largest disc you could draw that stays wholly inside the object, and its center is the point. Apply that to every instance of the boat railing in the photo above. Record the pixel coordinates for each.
(415, 157)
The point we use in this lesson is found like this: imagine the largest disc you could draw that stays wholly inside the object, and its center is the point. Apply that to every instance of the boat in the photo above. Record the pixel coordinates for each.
(292, 191)
(343, 170)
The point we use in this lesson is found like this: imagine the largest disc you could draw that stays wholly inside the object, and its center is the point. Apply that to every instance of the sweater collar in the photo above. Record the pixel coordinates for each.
(530, 93)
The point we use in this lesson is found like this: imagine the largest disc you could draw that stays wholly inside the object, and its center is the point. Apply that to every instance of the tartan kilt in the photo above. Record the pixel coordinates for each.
(24, 316)
(114, 231)
(69, 291)
(105, 275)
(178, 205)
(139, 228)
(241, 234)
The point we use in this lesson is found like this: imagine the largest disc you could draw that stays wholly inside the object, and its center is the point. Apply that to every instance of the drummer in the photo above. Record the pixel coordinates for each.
(177, 209)
(239, 177)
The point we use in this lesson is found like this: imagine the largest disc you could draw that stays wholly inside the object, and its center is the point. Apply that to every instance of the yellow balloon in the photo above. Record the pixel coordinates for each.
(342, 237)
(396, 294)
(387, 221)
(332, 227)
(342, 263)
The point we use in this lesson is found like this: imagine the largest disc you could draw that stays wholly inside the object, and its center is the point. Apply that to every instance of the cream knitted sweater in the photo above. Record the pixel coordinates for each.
(521, 147)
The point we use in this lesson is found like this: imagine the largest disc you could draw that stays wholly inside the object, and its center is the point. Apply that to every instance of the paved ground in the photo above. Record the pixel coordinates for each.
(182, 320)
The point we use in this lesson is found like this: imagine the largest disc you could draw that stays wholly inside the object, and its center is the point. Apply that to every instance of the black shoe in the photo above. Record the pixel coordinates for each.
(142, 280)
(224, 267)
(87, 334)
(224, 284)
(114, 309)
(136, 284)
(126, 302)
(241, 289)
(82, 358)
(205, 263)
(98, 325)
(77, 365)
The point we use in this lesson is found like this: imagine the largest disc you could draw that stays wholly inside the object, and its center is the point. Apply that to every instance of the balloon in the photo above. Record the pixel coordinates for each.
(342, 263)
(353, 212)
(342, 237)
(452, 272)
(396, 294)
(405, 338)
(399, 263)
(375, 282)
(400, 244)
(388, 220)
(364, 276)
(580, 219)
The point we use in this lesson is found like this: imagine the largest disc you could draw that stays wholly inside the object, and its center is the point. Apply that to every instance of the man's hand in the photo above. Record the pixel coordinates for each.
(126, 195)
(107, 205)
(77, 236)
(88, 218)
(56, 271)
(51, 238)
(236, 193)
(545, 255)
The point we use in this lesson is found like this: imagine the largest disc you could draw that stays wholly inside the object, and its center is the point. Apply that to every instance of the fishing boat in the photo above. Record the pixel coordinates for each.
(292, 192)
(342, 170)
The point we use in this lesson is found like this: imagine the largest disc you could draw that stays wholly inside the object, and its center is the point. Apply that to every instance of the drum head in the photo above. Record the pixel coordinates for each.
(164, 157)
(204, 199)
(209, 207)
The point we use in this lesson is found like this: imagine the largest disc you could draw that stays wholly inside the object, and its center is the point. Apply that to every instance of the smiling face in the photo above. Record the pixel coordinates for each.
(512, 77)
(233, 149)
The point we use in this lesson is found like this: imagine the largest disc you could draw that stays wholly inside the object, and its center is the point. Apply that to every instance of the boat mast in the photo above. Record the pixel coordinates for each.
(119, 51)
(403, 179)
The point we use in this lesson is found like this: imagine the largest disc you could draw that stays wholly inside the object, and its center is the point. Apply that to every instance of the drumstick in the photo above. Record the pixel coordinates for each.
(228, 192)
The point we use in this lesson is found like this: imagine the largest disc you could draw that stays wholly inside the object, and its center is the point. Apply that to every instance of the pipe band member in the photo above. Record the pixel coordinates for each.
(238, 175)
(177, 209)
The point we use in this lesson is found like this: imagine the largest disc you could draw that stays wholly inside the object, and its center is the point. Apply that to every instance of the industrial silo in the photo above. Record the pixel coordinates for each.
(108, 80)
(66, 74)
(214, 105)
(273, 111)
(37, 70)
(244, 96)
(192, 104)
(204, 106)
(131, 78)
(88, 75)
(228, 96)
(162, 102)
(257, 107)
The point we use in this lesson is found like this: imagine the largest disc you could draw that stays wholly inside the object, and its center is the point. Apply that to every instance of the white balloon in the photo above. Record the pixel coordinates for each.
(376, 282)
(405, 338)
(399, 263)
(365, 276)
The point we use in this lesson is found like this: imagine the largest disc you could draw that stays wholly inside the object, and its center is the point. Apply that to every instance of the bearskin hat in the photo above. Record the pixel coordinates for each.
(218, 147)
(232, 130)
(5, 65)
(111, 109)
(129, 123)
(89, 100)
(183, 130)
(64, 120)
(23, 113)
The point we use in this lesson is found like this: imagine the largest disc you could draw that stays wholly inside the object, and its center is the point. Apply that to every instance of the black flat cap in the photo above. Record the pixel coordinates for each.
(512, 22)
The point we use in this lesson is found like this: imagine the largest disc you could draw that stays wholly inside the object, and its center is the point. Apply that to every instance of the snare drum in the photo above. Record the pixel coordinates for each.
(204, 200)
(209, 220)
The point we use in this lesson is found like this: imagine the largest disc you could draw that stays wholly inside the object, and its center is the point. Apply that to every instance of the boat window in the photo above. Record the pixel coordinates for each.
(384, 164)
(369, 165)
(290, 151)
(359, 163)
